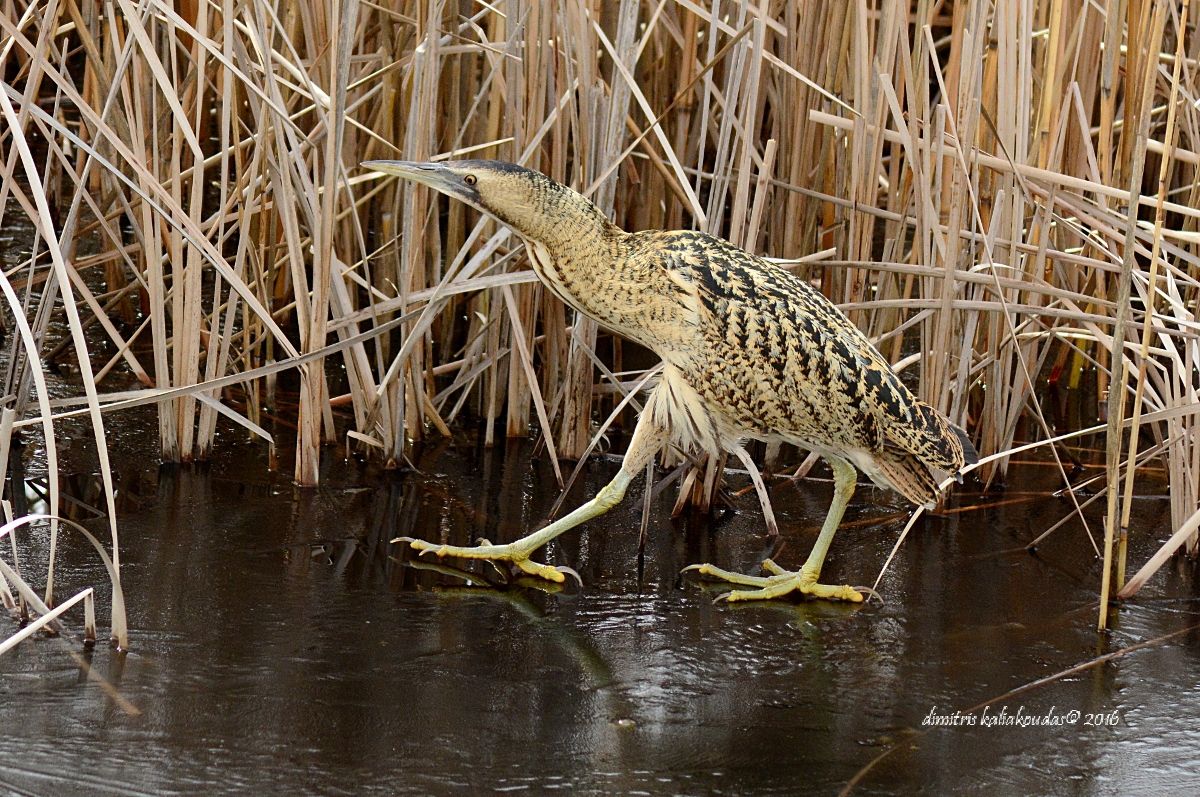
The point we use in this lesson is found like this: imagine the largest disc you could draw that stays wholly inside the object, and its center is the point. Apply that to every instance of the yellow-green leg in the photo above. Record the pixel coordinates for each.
(647, 439)
(781, 582)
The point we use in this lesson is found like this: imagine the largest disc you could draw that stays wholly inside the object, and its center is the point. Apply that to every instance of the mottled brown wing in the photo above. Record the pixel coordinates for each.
(833, 380)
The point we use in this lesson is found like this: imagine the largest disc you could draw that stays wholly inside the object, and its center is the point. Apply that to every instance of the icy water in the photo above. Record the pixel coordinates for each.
(280, 644)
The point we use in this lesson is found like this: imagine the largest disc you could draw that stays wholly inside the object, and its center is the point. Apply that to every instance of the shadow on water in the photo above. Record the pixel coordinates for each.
(282, 643)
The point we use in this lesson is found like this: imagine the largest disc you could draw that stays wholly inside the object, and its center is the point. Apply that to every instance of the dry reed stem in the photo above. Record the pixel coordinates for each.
(1116, 398)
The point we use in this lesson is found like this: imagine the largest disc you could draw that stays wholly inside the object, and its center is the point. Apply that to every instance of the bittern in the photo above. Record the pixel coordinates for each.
(749, 351)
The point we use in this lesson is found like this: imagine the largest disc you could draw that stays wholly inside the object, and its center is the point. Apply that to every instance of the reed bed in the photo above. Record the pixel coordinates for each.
(1002, 194)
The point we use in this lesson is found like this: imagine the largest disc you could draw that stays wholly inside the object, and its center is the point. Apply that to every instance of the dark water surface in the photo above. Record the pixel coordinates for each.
(280, 645)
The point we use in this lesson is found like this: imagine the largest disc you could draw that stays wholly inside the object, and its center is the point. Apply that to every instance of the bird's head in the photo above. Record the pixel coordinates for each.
(528, 201)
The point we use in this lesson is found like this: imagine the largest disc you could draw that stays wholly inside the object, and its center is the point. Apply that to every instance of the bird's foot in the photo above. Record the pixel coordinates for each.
(779, 583)
(517, 553)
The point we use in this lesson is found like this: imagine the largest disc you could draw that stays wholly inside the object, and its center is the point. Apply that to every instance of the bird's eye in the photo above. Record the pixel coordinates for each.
(470, 179)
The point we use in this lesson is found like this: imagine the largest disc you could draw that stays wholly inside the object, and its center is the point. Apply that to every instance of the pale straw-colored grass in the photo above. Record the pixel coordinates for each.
(996, 192)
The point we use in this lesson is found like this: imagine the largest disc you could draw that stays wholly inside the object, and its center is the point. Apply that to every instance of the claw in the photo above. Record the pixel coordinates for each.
(421, 546)
(704, 569)
(570, 571)
(870, 593)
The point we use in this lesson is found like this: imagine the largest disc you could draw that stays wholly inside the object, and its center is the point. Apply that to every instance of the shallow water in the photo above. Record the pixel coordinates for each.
(281, 644)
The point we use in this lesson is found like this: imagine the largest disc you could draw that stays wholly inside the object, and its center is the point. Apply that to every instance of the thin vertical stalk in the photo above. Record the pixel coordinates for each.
(1116, 395)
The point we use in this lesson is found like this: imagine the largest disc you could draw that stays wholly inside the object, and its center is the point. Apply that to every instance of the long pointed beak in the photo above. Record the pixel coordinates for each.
(434, 175)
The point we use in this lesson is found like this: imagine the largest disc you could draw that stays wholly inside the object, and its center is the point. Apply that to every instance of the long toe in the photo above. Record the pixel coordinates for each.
(832, 592)
(778, 589)
(784, 584)
(492, 552)
(540, 570)
(728, 575)
(517, 554)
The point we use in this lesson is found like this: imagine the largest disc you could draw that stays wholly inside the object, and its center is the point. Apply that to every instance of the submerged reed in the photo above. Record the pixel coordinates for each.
(1002, 194)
